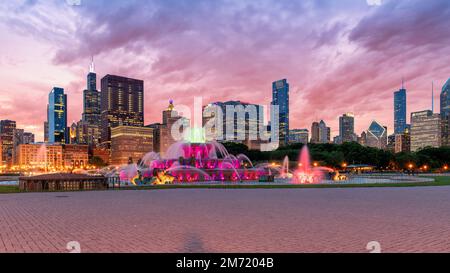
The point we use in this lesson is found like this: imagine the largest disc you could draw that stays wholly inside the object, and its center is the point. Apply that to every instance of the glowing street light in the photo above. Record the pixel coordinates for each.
(446, 168)
(344, 165)
(316, 164)
(410, 166)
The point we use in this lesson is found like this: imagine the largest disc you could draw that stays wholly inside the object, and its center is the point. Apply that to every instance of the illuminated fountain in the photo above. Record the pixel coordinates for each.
(189, 162)
(199, 161)
(306, 173)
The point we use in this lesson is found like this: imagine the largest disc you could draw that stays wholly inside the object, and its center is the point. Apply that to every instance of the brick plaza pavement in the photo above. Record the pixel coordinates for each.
(245, 220)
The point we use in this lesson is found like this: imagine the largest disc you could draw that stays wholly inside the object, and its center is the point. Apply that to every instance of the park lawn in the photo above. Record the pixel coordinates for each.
(439, 181)
(9, 189)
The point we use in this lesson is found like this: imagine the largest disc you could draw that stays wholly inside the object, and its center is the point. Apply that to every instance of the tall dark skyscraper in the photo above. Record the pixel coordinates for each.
(90, 123)
(122, 103)
(7, 130)
(57, 116)
(400, 111)
(445, 113)
(280, 97)
(347, 128)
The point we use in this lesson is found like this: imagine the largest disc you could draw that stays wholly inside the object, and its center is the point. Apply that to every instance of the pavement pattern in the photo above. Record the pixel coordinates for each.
(233, 220)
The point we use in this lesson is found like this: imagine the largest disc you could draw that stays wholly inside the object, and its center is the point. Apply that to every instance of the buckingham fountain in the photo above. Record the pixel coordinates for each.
(209, 162)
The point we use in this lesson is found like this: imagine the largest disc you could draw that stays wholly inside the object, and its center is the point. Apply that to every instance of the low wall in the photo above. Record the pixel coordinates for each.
(62, 182)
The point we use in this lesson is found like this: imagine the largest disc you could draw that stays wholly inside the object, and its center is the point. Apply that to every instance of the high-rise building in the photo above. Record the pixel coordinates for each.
(156, 136)
(315, 132)
(46, 130)
(299, 136)
(426, 130)
(400, 111)
(28, 138)
(130, 144)
(324, 133)
(238, 121)
(445, 113)
(403, 142)
(20, 137)
(390, 143)
(122, 104)
(362, 140)
(90, 122)
(7, 130)
(280, 98)
(73, 134)
(376, 136)
(57, 116)
(347, 128)
(171, 118)
(320, 133)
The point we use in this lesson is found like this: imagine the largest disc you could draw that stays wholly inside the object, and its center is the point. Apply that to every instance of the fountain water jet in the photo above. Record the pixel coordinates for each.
(305, 173)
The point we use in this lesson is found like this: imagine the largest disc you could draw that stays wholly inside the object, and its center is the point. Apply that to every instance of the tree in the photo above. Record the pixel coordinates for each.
(97, 162)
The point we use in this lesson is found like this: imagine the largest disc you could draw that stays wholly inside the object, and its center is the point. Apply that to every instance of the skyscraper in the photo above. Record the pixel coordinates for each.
(90, 122)
(324, 133)
(315, 132)
(403, 142)
(238, 121)
(376, 136)
(129, 144)
(320, 133)
(57, 116)
(426, 130)
(280, 97)
(347, 128)
(122, 104)
(164, 131)
(400, 111)
(445, 113)
(7, 130)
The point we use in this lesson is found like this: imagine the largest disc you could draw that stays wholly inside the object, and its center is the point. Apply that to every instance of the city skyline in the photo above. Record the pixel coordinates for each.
(174, 63)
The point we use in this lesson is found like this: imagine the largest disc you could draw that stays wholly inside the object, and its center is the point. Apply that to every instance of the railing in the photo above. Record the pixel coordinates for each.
(114, 182)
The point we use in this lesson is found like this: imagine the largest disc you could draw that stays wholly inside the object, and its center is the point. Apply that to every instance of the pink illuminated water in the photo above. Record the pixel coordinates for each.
(305, 173)
(196, 162)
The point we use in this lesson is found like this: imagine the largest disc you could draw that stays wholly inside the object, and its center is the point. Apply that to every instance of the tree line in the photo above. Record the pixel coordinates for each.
(333, 155)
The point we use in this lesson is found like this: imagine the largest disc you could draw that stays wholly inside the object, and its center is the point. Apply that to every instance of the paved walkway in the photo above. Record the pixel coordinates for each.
(260, 220)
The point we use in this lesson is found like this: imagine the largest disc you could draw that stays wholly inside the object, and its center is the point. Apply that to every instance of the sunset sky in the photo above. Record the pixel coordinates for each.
(338, 55)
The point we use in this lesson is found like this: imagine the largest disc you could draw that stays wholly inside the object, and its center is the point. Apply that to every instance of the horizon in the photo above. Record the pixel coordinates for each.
(179, 56)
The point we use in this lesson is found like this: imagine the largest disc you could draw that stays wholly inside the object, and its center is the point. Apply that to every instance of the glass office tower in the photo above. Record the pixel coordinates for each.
(280, 97)
(57, 116)
(445, 113)
(400, 111)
